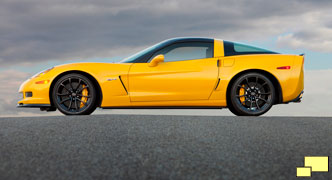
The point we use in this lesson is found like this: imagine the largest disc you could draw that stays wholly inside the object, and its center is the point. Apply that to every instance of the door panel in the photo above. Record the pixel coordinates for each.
(173, 81)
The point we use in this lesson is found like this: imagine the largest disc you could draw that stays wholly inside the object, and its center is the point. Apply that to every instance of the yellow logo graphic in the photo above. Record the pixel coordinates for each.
(313, 164)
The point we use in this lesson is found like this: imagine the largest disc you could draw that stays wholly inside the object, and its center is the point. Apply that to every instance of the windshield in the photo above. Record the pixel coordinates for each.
(131, 58)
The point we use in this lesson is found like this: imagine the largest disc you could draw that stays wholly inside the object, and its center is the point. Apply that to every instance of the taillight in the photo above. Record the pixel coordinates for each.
(302, 58)
(284, 67)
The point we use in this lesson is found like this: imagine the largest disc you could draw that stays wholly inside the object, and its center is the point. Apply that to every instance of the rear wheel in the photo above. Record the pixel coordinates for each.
(252, 94)
(74, 94)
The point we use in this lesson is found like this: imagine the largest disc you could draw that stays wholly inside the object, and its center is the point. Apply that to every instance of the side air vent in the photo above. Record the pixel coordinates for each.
(123, 84)
(28, 94)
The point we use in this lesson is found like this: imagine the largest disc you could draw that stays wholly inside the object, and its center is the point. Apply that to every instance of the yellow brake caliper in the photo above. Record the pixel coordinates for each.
(241, 93)
(84, 99)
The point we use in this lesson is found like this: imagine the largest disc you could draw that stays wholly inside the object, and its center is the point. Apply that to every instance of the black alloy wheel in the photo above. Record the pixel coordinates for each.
(74, 94)
(252, 94)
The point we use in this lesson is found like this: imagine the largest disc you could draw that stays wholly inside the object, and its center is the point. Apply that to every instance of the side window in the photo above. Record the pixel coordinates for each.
(186, 51)
(233, 49)
(246, 48)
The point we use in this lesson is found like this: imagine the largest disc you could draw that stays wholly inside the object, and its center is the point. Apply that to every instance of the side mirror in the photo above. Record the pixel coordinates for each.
(156, 60)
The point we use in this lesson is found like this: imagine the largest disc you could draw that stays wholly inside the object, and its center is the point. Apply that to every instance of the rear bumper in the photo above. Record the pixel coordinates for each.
(298, 98)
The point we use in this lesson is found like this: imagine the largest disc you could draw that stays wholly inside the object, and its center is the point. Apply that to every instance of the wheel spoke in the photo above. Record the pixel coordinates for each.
(241, 95)
(257, 105)
(70, 83)
(247, 82)
(80, 95)
(59, 94)
(81, 101)
(65, 87)
(256, 82)
(265, 93)
(78, 85)
(76, 107)
(70, 103)
(82, 89)
(242, 87)
(64, 100)
(262, 99)
(262, 86)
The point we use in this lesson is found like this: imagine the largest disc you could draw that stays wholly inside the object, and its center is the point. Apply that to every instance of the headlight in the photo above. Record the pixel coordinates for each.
(42, 73)
(20, 96)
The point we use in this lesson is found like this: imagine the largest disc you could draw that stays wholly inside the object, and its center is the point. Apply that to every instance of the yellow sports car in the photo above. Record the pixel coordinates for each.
(176, 73)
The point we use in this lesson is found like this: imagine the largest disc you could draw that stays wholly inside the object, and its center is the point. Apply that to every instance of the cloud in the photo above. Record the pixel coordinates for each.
(314, 33)
(316, 99)
(37, 31)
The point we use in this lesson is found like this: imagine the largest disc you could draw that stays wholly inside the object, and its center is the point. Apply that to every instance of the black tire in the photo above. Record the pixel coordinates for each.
(74, 94)
(256, 97)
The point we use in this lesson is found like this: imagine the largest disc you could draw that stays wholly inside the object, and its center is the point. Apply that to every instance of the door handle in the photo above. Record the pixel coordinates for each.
(218, 63)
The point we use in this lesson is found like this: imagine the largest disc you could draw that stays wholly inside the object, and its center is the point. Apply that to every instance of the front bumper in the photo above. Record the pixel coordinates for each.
(32, 105)
(39, 97)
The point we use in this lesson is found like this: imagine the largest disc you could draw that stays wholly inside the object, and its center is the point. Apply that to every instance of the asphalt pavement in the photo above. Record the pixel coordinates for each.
(161, 147)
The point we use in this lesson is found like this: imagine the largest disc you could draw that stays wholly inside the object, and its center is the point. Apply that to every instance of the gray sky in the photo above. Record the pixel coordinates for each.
(36, 34)
(37, 31)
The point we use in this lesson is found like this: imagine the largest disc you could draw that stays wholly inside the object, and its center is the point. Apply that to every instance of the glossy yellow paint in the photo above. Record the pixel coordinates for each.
(112, 91)
(291, 81)
(170, 81)
(156, 60)
(197, 82)
(218, 48)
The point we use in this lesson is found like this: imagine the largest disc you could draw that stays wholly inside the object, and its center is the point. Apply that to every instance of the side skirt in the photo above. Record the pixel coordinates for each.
(164, 107)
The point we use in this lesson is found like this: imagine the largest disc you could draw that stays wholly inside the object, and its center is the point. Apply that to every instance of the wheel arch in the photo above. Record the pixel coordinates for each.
(273, 79)
(89, 76)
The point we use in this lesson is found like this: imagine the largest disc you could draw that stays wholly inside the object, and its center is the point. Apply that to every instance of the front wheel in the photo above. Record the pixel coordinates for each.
(74, 94)
(252, 94)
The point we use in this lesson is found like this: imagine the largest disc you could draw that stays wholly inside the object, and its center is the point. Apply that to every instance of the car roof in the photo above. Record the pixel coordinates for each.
(189, 39)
